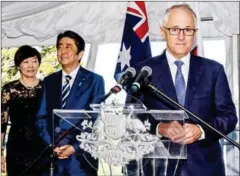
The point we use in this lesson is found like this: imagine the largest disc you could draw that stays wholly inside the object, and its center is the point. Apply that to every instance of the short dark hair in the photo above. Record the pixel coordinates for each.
(25, 52)
(80, 43)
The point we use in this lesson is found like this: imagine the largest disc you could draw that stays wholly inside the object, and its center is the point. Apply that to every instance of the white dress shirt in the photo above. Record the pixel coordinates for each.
(173, 66)
(73, 75)
(185, 70)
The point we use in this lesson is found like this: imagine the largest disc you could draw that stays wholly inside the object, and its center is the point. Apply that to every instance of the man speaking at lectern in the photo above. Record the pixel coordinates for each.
(198, 84)
(75, 88)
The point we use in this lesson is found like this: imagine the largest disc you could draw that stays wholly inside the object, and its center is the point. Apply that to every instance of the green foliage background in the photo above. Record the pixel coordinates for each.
(48, 65)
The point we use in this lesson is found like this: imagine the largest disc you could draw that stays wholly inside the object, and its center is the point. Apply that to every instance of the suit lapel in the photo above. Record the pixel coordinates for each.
(80, 84)
(165, 78)
(58, 90)
(195, 71)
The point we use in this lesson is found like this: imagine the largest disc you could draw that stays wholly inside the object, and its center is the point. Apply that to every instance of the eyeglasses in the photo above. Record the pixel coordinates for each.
(176, 31)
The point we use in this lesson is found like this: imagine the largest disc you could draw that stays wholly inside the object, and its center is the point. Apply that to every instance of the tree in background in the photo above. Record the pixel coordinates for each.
(9, 72)
(49, 63)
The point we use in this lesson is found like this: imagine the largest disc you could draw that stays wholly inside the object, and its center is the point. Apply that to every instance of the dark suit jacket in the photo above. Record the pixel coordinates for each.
(86, 89)
(208, 96)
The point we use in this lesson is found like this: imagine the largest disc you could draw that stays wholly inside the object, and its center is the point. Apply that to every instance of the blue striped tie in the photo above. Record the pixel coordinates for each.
(65, 90)
(180, 83)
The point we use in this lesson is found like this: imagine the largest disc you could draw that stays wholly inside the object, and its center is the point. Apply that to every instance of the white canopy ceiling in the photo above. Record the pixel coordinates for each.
(38, 23)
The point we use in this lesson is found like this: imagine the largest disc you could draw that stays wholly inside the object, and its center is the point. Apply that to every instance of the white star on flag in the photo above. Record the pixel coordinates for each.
(124, 57)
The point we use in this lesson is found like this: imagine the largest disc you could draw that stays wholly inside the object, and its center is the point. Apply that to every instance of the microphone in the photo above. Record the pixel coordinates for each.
(124, 79)
(143, 75)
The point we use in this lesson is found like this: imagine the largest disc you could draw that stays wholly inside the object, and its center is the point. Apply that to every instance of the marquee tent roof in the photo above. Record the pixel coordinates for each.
(38, 23)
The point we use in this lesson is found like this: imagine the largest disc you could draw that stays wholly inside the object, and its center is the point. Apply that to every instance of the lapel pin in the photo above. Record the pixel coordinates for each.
(80, 83)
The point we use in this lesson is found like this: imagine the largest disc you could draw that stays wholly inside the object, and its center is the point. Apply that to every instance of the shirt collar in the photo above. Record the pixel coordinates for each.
(72, 74)
(171, 59)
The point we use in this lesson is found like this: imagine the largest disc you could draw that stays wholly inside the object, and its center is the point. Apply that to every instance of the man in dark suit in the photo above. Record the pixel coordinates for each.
(73, 87)
(201, 86)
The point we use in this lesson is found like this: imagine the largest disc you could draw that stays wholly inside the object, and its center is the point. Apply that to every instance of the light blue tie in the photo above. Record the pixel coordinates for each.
(65, 90)
(180, 83)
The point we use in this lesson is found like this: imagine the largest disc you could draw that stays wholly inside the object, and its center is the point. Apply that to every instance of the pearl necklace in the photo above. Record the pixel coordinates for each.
(29, 86)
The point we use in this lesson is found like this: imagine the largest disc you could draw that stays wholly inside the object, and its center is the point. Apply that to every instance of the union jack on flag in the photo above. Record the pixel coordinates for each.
(135, 45)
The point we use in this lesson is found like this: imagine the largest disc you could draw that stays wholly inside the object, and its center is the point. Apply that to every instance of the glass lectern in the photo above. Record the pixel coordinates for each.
(120, 135)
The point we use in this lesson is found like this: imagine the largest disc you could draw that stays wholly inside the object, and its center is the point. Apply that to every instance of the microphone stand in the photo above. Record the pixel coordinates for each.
(53, 156)
(152, 87)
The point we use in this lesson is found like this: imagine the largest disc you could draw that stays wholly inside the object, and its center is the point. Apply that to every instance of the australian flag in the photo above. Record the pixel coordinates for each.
(135, 45)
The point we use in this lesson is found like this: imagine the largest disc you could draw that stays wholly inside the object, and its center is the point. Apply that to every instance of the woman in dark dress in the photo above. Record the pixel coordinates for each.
(19, 104)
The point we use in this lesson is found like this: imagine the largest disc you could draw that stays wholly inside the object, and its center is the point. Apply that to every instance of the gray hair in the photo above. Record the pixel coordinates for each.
(185, 7)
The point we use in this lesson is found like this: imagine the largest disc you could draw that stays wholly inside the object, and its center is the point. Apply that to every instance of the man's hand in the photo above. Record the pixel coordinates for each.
(192, 133)
(172, 130)
(3, 164)
(64, 151)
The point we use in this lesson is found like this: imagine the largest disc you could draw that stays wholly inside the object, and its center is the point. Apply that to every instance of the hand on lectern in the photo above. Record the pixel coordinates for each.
(172, 130)
(193, 133)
